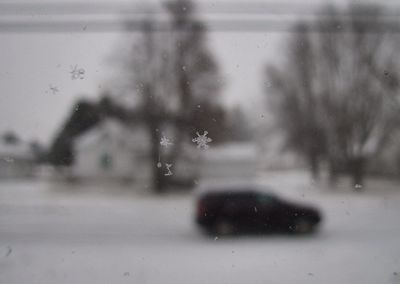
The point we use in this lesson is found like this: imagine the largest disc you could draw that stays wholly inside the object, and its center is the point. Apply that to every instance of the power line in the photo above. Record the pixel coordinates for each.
(104, 26)
(107, 8)
(52, 17)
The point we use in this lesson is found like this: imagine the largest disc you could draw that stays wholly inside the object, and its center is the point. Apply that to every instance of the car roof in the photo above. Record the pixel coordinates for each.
(232, 188)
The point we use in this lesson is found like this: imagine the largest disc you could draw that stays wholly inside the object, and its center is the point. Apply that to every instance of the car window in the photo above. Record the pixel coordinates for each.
(266, 199)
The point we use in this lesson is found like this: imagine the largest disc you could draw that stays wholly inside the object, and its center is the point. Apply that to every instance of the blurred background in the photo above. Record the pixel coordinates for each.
(113, 113)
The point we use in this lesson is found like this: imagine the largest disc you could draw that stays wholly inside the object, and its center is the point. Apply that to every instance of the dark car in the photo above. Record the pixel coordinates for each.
(227, 212)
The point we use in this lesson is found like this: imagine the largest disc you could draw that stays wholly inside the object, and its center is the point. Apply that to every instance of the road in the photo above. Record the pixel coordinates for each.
(52, 233)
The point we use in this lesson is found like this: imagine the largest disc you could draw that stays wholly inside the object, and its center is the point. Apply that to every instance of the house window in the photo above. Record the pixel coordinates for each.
(105, 161)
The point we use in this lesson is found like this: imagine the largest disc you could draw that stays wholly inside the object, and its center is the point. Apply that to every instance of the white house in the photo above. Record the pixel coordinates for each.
(230, 161)
(16, 158)
(112, 151)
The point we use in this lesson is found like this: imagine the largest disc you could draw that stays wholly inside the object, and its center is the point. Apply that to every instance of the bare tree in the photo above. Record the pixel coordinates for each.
(342, 78)
(294, 101)
(172, 71)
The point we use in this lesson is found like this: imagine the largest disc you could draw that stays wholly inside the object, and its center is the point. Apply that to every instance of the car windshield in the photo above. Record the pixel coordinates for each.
(121, 122)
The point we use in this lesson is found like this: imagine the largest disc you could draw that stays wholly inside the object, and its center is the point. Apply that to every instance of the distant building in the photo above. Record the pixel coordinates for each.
(273, 155)
(16, 157)
(230, 161)
(112, 151)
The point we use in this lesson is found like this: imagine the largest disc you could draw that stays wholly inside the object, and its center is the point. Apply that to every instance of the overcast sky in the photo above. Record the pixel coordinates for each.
(32, 63)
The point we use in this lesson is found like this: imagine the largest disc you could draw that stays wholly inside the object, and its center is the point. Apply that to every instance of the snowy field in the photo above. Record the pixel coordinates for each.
(57, 233)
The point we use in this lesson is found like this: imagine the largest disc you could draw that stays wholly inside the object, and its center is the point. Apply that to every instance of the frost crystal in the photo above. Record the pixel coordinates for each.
(165, 142)
(77, 73)
(53, 89)
(169, 173)
(8, 159)
(202, 140)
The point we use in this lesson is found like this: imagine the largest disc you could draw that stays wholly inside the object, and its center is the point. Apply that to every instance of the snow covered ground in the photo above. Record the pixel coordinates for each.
(55, 233)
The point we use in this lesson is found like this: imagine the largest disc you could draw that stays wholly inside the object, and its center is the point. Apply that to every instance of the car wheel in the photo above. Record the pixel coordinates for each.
(302, 226)
(224, 227)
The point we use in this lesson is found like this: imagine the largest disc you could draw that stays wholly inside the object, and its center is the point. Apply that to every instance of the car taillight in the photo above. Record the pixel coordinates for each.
(201, 209)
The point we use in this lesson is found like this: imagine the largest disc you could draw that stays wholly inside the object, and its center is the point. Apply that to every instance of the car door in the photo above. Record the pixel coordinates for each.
(240, 209)
(268, 212)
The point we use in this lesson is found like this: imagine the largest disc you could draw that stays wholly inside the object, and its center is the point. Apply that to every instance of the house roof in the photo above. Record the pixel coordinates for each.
(115, 133)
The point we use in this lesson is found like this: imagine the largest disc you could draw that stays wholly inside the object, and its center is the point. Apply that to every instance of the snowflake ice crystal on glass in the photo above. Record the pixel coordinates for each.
(202, 140)
(53, 89)
(165, 142)
(77, 73)
(169, 173)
